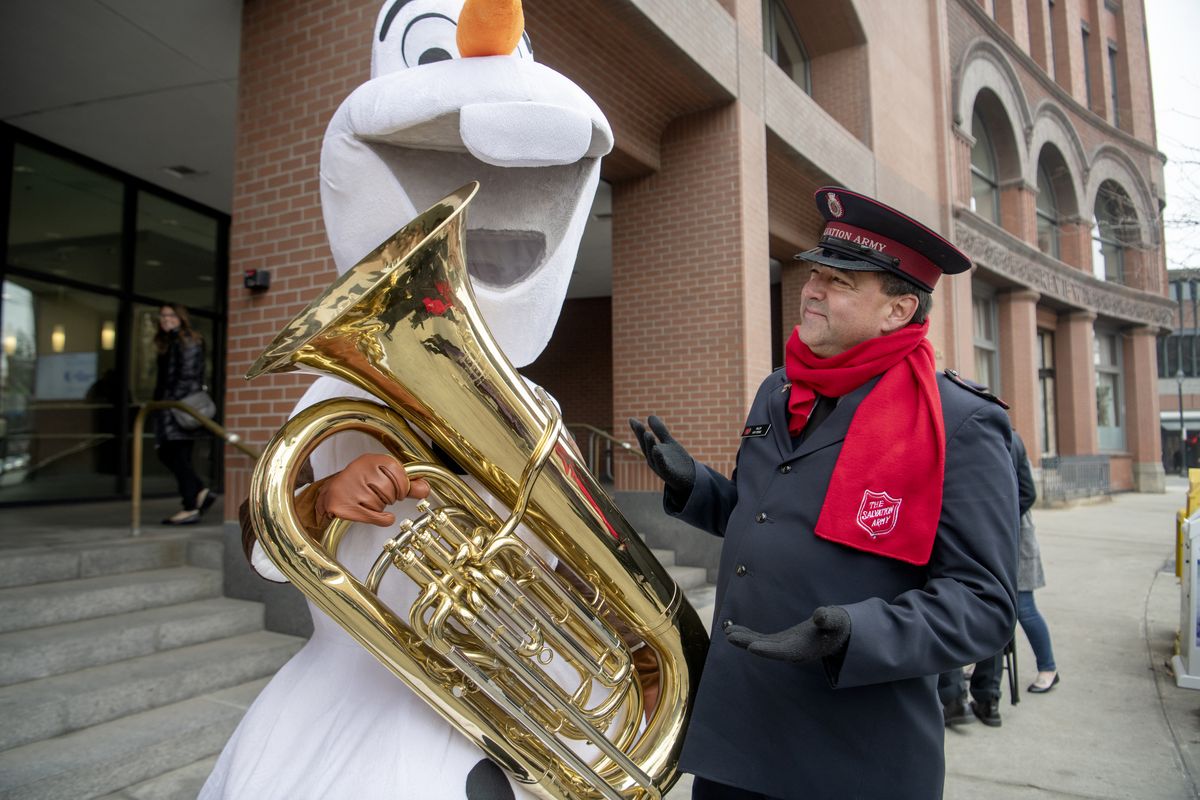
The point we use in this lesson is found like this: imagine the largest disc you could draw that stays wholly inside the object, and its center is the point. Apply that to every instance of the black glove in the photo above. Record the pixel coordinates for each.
(825, 634)
(666, 457)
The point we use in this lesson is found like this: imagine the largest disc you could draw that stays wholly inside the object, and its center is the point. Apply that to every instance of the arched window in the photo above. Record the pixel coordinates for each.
(985, 183)
(781, 42)
(1116, 226)
(1047, 212)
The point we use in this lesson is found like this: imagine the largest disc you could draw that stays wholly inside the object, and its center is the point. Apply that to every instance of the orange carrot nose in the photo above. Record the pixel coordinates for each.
(489, 27)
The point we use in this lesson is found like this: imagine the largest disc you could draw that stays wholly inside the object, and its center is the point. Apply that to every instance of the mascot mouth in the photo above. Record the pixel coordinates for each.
(504, 258)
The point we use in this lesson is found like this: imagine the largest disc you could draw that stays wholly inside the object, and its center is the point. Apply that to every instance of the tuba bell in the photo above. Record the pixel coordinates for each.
(543, 630)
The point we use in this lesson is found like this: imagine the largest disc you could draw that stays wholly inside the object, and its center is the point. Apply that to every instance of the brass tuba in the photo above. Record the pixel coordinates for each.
(561, 647)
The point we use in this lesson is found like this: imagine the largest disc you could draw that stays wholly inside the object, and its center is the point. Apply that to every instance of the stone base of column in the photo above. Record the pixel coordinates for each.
(1149, 478)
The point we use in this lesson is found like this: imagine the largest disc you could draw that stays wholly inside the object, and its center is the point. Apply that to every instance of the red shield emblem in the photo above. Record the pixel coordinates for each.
(835, 205)
(878, 513)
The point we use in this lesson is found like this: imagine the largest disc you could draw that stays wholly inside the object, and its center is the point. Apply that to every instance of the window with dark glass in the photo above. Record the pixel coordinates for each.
(175, 256)
(90, 254)
(60, 393)
(1052, 36)
(1087, 67)
(1047, 397)
(1047, 212)
(1116, 225)
(1114, 92)
(782, 43)
(987, 369)
(64, 219)
(985, 182)
(1110, 414)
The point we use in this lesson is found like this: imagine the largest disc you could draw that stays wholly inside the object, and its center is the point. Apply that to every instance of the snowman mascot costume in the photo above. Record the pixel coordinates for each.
(454, 96)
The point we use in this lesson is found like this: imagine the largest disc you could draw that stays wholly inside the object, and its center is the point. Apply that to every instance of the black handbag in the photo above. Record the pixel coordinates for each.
(201, 402)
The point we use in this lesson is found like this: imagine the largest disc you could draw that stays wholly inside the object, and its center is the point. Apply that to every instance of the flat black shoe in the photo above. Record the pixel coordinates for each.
(988, 713)
(1035, 689)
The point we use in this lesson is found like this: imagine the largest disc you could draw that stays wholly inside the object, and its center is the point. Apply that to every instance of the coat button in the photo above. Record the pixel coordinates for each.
(760, 516)
(741, 570)
(785, 469)
(727, 624)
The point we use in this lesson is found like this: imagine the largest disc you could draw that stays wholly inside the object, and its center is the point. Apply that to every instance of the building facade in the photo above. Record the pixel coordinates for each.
(1021, 129)
(1179, 376)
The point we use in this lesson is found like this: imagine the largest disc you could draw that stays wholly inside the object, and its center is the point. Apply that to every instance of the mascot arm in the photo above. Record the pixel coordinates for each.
(306, 501)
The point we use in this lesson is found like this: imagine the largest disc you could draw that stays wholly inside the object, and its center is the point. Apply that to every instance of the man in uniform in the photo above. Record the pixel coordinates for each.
(868, 533)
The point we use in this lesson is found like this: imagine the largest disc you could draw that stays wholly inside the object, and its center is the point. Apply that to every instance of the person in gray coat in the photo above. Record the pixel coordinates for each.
(1030, 576)
(868, 534)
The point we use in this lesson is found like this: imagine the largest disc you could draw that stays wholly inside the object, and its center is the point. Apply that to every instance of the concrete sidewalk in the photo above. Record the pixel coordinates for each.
(1116, 726)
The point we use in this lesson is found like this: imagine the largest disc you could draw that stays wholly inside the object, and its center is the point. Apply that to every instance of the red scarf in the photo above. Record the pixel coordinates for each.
(885, 495)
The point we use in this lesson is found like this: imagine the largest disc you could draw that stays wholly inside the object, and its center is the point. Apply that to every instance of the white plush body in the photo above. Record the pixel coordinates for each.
(334, 723)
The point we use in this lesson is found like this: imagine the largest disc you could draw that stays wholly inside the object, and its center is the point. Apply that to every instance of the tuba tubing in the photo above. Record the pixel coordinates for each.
(492, 612)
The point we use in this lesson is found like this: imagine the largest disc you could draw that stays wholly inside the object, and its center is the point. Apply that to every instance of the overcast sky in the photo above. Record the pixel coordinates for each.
(1173, 27)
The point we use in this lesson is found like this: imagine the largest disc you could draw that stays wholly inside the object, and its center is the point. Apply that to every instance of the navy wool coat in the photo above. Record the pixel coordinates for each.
(869, 726)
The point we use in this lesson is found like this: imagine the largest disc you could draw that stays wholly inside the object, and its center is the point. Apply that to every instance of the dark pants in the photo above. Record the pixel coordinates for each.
(704, 789)
(985, 681)
(177, 456)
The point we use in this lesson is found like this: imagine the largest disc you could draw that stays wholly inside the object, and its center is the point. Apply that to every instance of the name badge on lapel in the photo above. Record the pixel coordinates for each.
(756, 430)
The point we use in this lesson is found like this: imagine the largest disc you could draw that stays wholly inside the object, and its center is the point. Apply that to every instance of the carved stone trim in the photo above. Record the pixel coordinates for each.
(1000, 252)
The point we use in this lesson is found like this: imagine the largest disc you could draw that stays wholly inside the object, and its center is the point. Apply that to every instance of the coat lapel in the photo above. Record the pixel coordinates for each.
(835, 426)
(777, 403)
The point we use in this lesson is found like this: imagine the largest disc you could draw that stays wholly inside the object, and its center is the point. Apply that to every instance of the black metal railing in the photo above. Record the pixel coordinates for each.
(1069, 477)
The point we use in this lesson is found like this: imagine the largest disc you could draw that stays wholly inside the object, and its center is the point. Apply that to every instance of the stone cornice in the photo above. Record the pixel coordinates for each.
(998, 251)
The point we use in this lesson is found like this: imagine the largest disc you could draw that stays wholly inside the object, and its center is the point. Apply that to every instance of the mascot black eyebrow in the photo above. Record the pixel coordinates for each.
(334, 723)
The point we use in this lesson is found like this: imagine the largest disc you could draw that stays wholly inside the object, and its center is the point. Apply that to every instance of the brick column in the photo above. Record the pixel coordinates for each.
(1039, 35)
(690, 288)
(691, 285)
(1013, 16)
(1018, 361)
(1142, 434)
(286, 95)
(793, 275)
(1018, 203)
(1068, 49)
(1075, 243)
(1076, 381)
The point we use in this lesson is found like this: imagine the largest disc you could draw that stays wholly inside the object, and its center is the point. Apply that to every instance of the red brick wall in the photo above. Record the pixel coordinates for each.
(299, 59)
(677, 263)
(577, 366)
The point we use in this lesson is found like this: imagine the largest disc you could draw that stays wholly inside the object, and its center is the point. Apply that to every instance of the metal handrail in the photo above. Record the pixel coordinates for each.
(595, 436)
(139, 424)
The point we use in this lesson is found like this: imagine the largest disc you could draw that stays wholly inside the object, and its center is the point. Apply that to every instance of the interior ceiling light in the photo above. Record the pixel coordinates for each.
(182, 171)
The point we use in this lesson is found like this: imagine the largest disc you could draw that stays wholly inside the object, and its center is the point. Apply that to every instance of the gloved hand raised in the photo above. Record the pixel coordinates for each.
(826, 633)
(666, 457)
(361, 491)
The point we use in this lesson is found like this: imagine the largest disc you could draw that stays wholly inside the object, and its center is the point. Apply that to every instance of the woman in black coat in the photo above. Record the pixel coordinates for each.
(180, 373)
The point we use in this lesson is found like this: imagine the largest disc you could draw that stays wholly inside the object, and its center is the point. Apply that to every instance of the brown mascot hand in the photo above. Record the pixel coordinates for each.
(361, 491)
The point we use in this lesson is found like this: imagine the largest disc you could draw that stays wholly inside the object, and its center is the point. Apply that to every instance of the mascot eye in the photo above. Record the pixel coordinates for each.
(429, 38)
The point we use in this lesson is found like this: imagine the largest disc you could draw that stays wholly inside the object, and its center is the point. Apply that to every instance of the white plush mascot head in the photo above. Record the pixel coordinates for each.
(432, 118)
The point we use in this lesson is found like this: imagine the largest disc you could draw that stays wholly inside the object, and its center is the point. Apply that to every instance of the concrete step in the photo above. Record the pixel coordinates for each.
(178, 784)
(111, 756)
(27, 566)
(24, 607)
(688, 577)
(50, 707)
(58, 649)
(665, 557)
